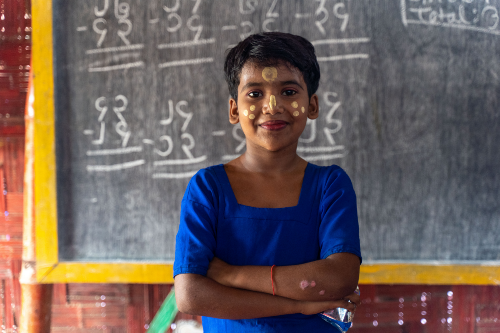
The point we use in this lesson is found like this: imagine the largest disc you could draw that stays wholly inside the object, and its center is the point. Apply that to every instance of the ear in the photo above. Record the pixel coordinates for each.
(313, 109)
(234, 116)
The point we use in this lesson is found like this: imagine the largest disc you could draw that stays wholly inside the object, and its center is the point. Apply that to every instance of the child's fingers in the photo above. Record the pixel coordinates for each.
(354, 298)
(311, 308)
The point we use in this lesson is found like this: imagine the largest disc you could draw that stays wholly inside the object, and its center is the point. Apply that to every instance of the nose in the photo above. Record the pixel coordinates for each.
(272, 107)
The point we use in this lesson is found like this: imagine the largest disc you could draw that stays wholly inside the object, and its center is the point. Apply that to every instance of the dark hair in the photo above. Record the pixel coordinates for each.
(272, 48)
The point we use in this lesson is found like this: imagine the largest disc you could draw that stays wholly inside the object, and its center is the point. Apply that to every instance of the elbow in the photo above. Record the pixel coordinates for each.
(185, 294)
(347, 287)
(186, 303)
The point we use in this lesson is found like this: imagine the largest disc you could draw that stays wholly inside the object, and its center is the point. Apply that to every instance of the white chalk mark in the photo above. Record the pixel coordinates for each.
(458, 26)
(88, 132)
(229, 27)
(116, 49)
(114, 167)
(323, 157)
(119, 151)
(403, 13)
(182, 162)
(318, 149)
(300, 16)
(186, 62)
(341, 41)
(100, 141)
(179, 175)
(187, 148)
(117, 67)
(230, 157)
(148, 141)
(81, 29)
(344, 57)
(186, 44)
(218, 133)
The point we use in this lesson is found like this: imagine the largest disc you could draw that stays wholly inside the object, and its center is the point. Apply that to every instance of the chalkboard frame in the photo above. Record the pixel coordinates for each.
(50, 270)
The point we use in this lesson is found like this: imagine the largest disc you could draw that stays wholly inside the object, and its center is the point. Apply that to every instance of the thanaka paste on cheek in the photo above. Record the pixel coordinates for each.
(272, 102)
(296, 113)
(252, 108)
(270, 74)
(251, 116)
(245, 112)
(303, 109)
(295, 105)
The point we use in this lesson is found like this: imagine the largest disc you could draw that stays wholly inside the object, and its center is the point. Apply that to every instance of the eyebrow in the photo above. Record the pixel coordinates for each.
(250, 85)
(293, 82)
(283, 83)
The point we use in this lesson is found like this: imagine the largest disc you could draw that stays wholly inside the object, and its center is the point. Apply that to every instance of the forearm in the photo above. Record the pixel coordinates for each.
(199, 295)
(331, 278)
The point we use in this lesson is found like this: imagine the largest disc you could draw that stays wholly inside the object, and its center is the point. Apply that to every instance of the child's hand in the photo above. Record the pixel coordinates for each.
(219, 271)
(353, 298)
(311, 308)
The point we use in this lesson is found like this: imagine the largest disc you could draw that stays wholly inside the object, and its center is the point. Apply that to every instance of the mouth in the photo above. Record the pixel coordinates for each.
(274, 125)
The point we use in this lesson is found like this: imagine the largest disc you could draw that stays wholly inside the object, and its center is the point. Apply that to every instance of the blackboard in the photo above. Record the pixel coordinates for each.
(409, 101)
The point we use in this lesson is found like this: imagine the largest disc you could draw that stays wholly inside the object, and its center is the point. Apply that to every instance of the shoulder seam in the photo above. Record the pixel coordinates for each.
(200, 204)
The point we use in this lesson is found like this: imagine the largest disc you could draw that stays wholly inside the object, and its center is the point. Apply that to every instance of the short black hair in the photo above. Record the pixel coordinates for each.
(270, 49)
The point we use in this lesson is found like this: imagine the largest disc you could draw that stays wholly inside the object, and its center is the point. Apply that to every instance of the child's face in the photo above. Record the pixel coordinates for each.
(273, 106)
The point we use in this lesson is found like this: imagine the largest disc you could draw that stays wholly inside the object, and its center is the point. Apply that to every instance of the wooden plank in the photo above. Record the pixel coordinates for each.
(45, 165)
(406, 273)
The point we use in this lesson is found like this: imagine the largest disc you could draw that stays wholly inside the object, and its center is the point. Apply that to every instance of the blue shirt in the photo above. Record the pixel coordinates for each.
(213, 224)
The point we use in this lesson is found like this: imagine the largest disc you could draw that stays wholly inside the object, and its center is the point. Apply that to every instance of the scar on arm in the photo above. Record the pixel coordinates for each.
(304, 284)
(313, 284)
(322, 292)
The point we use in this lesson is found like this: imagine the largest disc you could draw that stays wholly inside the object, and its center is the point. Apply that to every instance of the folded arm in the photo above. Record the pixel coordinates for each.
(199, 295)
(333, 278)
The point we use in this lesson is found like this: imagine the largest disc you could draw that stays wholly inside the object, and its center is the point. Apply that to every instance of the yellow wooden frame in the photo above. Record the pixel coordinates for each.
(51, 270)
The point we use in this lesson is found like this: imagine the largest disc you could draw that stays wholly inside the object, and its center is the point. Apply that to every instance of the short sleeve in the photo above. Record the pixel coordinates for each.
(339, 230)
(195, 241)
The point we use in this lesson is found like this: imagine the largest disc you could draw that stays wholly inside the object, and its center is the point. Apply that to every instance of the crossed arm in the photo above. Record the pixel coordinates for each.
(243, 292)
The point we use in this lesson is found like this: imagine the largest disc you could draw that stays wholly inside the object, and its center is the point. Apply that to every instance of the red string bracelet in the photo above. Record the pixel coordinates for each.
(272, 282)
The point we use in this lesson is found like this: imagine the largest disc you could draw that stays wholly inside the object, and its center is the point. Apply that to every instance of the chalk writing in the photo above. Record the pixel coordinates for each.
(478, 15)
(322, 15)
(333, 126)
(187, 141)
(175, 145)
(121, 12)
(121, 127)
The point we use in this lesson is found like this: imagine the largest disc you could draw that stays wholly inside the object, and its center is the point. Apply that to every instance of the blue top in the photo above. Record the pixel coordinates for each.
(212, 224)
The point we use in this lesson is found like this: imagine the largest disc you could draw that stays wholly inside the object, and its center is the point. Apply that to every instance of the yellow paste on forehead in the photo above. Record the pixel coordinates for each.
(269, 74)
(272, 102)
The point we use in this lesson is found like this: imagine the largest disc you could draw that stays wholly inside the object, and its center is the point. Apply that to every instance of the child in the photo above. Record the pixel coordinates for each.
(268, 240)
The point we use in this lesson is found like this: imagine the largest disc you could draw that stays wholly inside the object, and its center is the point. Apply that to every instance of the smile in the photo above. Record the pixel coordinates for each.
(274, 125)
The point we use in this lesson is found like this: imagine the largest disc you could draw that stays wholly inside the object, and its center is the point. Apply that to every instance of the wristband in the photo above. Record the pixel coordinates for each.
(272, 282)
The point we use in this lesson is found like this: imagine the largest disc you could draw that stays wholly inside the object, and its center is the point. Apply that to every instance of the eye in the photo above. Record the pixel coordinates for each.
(289, 92)
(255, 94)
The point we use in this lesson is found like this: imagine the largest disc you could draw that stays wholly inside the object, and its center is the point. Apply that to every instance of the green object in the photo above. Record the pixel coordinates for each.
(165, 315)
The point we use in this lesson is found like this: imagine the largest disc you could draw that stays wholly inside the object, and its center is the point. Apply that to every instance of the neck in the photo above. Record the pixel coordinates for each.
(275, 162)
